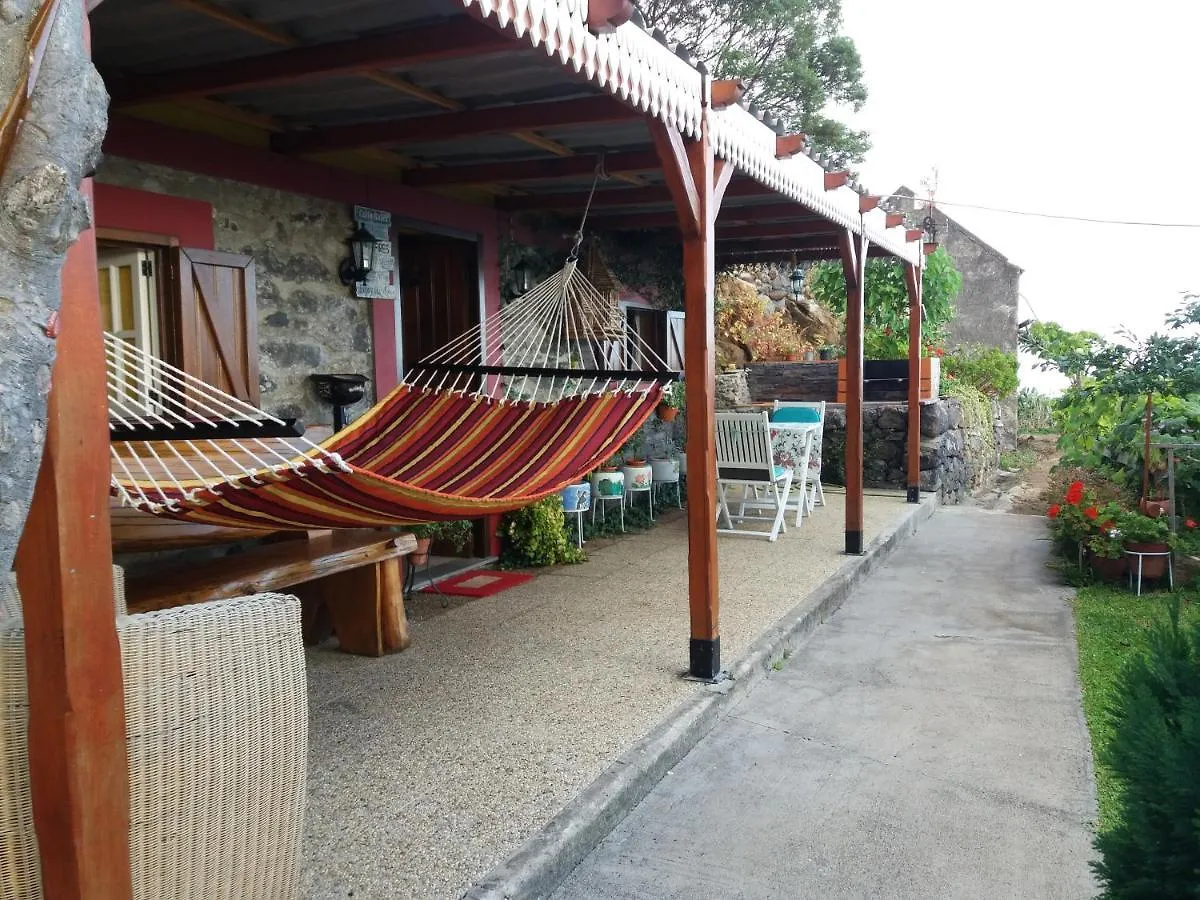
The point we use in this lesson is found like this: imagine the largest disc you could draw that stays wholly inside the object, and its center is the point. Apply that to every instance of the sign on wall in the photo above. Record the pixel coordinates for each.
(382, 283)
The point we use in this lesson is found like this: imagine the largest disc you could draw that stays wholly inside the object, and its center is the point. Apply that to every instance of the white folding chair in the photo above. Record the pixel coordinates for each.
(745, 459)
(815, 495)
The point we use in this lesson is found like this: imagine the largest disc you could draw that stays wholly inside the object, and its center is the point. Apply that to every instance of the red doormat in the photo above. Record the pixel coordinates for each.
(479, 583)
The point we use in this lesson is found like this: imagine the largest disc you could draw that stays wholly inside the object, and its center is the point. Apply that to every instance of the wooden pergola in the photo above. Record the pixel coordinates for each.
(505, 101)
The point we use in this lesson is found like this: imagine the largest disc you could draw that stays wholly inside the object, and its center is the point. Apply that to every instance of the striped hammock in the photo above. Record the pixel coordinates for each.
(564, 383)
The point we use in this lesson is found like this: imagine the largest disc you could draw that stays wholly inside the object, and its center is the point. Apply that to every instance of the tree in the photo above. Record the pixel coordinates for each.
(49, 140)
(1069, 352)
(790, 54)
(885, 315)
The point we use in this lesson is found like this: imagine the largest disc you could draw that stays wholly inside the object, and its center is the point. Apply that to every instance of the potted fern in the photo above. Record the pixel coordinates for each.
(1142, 534)
(671, 403)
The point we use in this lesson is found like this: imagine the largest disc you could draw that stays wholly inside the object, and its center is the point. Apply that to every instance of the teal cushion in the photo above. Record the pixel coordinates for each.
(796, 414)
(780, 471)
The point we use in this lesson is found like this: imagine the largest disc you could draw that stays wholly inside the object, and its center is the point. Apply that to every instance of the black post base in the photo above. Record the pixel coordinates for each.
(914, 495)
(854, 543)
(705, 659)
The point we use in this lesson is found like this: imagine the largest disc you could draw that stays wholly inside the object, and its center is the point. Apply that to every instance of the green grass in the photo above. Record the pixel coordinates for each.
(1018, 460)
(1111, 626)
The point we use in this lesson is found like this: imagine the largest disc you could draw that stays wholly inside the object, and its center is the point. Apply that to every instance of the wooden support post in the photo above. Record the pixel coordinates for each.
(77, 761)
(912, 281)
(853, 252)
(688, 168)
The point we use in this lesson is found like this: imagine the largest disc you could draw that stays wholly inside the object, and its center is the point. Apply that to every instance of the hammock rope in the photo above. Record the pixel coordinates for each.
(515, 409)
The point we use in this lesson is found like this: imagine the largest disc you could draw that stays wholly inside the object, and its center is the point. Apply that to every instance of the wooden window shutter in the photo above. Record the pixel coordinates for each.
(214, 320)
(674, 356)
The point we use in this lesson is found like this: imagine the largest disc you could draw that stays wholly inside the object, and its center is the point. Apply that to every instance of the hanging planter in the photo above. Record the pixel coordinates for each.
(666, 412)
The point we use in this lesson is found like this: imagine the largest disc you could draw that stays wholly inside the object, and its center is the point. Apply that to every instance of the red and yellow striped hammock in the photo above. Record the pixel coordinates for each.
(418, 456)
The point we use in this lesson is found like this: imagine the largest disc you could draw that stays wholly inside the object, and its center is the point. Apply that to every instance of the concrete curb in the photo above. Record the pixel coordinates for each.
(547, 858)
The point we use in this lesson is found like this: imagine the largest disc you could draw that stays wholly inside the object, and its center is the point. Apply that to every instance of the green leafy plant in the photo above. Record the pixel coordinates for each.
(1153, 848)
(886, 310)
(674, 396)
(537, 536)
(1139, 529)
(991, 370)
(458, 533)
(1107, 541)
(1035, 411)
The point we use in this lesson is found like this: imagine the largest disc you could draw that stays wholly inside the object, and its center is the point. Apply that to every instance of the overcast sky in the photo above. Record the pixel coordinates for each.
(1056, 106)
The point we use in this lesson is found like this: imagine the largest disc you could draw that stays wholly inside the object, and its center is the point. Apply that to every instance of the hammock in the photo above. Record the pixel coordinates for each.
(512, 411)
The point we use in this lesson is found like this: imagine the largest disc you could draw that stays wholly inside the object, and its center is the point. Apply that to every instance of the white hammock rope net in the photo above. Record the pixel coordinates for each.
(571, 339)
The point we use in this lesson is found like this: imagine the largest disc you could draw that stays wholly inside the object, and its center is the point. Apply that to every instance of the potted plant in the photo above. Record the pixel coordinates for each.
(633, 451)
(457, 534)
(828, 353)
(424, 535)
(1142, 534)
(671, 403)
(1105, 550)
(1074, 520)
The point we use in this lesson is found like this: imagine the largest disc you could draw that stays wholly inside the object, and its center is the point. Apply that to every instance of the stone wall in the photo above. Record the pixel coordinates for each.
(307, 321)
(792, 380)
(953, 460)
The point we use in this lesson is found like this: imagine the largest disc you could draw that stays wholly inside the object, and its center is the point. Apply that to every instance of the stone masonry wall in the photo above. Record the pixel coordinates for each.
(307, 321)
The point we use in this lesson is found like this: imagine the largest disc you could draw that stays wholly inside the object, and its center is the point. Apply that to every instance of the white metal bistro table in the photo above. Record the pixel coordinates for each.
(1141, 555)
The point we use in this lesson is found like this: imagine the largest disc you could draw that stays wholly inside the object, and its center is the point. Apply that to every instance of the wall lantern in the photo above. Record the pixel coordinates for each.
(797, 282)
(522, 276)
(361, 261)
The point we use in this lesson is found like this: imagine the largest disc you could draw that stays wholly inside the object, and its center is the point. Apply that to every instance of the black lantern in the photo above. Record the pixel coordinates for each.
(522, 276)
(361, 261)
(797, 282)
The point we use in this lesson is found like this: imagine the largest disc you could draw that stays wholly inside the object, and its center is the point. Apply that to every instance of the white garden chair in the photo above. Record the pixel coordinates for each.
(806, 411)
(745, 459)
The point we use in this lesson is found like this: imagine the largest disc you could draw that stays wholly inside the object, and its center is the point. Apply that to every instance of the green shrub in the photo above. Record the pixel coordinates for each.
(1153, 849)
(537, 536)
(989, 369)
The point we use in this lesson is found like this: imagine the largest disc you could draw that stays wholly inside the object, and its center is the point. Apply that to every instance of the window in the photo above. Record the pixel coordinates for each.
(194, 309)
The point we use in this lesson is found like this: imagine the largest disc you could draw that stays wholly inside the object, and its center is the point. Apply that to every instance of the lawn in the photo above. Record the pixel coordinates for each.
(1111, 626)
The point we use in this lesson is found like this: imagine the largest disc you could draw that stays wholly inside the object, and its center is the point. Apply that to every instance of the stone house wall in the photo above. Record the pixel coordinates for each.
(307, 320)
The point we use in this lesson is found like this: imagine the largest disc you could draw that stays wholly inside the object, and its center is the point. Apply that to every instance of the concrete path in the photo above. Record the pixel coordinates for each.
(928, 742)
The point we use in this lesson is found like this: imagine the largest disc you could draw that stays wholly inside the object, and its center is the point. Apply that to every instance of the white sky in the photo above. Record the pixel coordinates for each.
(1058, 106)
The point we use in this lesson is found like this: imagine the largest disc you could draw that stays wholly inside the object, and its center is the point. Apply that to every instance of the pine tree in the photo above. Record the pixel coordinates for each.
(1154, 850)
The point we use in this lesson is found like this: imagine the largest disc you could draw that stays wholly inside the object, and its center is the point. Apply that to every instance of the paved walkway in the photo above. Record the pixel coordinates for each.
(928, 742)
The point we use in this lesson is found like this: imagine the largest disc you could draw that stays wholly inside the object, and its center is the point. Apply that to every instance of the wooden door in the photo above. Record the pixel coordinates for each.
(127, 310)
(215, 330)
(439, 284)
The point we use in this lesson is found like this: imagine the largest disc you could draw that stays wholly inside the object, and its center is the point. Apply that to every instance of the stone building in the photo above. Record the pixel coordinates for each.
(986, 310)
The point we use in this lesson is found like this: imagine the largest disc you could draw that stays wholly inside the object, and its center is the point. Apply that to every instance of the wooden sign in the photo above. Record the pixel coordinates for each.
(382, 283)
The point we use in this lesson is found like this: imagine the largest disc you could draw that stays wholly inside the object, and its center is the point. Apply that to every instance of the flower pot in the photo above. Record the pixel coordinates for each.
(828, 354)
(1152, 566)
(793, 357)
(683, 464)
(1154, 509)
(809, 355)
(421, 555)
(577, 497)
(608, 484)
(666, 470)
(635, 462)
(667, 413)
(638, 475)
(1108, 569)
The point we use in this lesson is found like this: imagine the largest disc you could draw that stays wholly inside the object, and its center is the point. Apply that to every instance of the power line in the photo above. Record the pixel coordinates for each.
(1064, 218)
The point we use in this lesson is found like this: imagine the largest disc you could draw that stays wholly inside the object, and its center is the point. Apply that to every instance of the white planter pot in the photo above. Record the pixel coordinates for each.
(608, 484)
(666, 471)
(637, 478)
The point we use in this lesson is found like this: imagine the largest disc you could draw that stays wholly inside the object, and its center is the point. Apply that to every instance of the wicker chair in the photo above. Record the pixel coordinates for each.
(217, 731)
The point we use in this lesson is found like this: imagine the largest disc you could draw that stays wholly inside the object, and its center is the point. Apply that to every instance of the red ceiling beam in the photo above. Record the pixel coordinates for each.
(531, 170)
(778, 229)
(802, 221)
(727, 257)
(620, 197)
(778, 244)
(455, 39)
(456, 125)
(778, 232)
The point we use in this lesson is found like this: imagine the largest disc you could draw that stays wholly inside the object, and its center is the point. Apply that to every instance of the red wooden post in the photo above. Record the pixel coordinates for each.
(854, 254)
(688, 168)
(77, 760)
(912, 281)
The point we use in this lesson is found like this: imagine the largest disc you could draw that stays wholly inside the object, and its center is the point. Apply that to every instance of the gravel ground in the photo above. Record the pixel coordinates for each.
(428, 767)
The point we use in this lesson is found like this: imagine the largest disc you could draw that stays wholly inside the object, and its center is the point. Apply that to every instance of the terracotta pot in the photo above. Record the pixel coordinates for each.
(421, 555)
(667, 413)
(635, 461)
(793, 357)
(1154, 509)
(1152, 566)
(1108, 569)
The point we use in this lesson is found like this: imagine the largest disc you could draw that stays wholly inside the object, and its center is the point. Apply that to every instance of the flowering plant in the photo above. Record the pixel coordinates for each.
(1076, 517)
(1187, 538)
(1108, 540)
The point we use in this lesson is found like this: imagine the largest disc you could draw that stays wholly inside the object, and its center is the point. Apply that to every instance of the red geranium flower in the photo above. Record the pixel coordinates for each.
(1075, 493)
(1091, 512)
(1053, 511)
(1190, 523)
(939, 352)
(1107, 525)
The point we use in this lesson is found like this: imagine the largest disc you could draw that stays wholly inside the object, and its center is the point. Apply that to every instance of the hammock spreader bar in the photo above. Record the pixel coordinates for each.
(534, 371)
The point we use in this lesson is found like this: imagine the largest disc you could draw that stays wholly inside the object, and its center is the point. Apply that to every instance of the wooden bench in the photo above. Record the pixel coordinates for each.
(356, 575)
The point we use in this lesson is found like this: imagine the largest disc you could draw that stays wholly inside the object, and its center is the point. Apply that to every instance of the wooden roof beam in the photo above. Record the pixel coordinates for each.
(866, 203)
(894, 220)
(454, 39)
(789, 145)
(622, 197)
(727, 257)
(457, 125)
(727, 92)
(533, 169)
(819, 228)
(914, 234)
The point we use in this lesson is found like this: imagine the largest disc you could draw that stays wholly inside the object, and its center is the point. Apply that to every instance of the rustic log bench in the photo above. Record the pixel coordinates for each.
(357, 576)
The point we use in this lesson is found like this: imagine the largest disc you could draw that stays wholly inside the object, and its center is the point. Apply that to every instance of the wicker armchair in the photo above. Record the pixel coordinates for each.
(217, 730)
